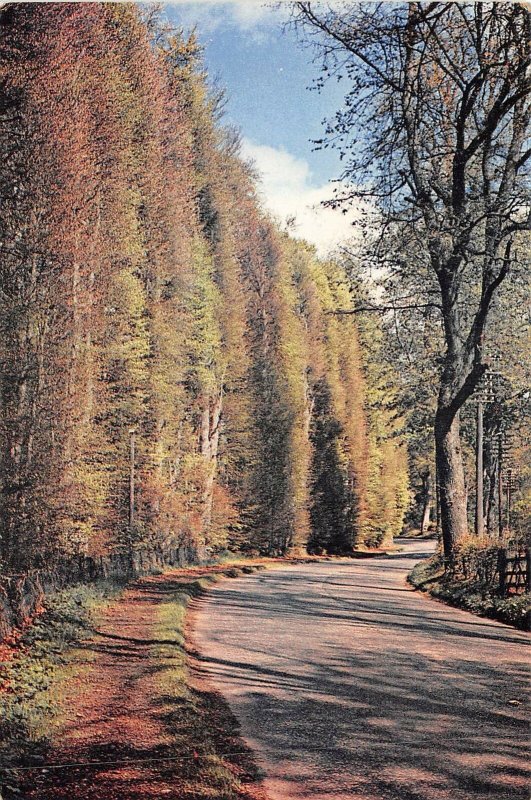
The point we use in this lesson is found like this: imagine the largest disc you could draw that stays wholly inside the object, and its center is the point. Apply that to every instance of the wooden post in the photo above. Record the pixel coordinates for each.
(131, 479)
(479, 470)
(528, 569)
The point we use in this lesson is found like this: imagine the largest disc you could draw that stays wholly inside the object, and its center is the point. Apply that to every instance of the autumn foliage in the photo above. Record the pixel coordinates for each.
(143, 291)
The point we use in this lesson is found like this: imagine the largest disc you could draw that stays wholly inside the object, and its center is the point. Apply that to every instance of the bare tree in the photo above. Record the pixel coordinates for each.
(434, 130)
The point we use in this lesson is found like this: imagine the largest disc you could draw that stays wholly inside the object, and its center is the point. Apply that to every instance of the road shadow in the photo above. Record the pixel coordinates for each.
(351, 691)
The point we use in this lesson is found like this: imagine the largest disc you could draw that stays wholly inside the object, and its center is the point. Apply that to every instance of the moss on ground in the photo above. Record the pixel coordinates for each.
(429, 576)
(35, 665)
(39, 664)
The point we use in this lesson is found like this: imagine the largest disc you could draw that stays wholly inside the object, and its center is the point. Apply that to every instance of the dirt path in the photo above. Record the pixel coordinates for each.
(137, 741)
(350, 686)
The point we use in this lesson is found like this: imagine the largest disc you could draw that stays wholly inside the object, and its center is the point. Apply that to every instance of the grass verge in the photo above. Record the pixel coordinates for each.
(212, 759)
(39, 665)
(33, 667)
(429, 576)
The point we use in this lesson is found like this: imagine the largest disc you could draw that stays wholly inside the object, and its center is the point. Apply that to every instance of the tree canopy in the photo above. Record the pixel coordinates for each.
(171, 369)
(434, 133)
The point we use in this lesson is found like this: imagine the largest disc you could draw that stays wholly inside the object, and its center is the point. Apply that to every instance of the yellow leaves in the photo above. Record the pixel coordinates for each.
(202, 304)
(127, 337)
(173, 295)
(373, 463)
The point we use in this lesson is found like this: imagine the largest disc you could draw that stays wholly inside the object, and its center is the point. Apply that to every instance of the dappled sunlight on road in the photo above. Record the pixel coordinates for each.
(350, 685)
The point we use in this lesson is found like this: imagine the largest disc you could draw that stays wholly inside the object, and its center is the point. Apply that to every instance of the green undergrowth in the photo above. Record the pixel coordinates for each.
(211, 760)
(33, 671)
(479, 598)
(37, 668)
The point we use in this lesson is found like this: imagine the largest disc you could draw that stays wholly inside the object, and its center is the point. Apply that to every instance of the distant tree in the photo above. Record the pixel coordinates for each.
(434, 131)
(331, 503)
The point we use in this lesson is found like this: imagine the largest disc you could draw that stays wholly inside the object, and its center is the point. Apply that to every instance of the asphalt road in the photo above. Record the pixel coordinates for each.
(348, 684)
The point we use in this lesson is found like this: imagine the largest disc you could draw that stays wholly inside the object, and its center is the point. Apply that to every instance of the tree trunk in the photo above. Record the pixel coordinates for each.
(426, 502)
(451, 480)
(210, 429)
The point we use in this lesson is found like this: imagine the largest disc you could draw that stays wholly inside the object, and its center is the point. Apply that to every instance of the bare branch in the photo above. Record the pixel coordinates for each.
(383, 309)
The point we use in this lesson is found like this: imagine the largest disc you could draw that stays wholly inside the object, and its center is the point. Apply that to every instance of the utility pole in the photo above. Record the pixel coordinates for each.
(437, 502)
(479, 469)
(131, 478)
(510, 482)
(509, 489)
(486, 394)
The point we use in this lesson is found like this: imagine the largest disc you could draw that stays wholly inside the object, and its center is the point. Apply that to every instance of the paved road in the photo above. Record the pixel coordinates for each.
(348, 684)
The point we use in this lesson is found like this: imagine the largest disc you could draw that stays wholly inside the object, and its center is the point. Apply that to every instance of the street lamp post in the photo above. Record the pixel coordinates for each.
(131, 478)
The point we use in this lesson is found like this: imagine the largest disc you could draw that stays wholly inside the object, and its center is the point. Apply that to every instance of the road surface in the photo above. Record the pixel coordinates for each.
(349, 685)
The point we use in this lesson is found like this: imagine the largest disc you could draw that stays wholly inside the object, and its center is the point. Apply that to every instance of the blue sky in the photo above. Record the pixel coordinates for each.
(266, 74)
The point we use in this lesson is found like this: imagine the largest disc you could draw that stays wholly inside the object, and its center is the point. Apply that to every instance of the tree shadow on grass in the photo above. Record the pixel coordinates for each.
(195, 752)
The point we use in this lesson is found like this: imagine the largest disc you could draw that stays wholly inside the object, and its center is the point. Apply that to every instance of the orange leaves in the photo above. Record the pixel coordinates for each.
(147, 288)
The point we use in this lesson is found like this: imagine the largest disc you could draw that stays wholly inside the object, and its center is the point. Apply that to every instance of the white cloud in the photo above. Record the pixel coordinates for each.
(287, 191)
(209, 15)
